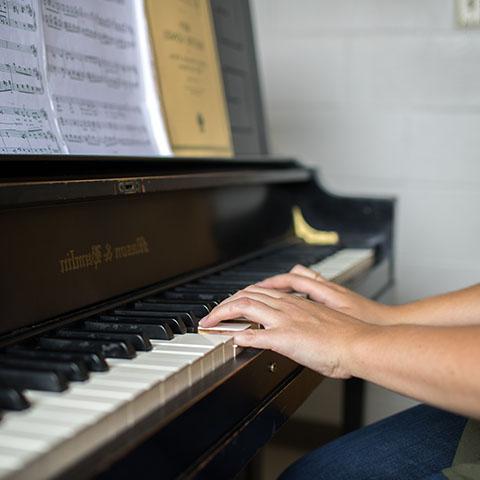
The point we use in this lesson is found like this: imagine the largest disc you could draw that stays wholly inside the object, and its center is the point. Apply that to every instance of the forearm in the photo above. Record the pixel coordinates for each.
(457, 308)
(437, 365)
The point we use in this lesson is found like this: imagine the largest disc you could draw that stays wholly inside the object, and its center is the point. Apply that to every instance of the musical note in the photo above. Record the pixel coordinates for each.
(20, 78)
(18, 14)
(28, 140)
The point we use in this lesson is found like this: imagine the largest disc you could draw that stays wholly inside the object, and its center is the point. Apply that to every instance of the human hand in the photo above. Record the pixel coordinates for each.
(309, 333)
(304, 280)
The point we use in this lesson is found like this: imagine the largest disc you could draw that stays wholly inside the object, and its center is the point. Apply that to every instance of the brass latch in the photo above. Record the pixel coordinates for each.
(309, 234)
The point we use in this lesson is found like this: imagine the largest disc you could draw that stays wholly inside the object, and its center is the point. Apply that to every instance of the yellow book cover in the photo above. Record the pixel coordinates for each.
(189, 75)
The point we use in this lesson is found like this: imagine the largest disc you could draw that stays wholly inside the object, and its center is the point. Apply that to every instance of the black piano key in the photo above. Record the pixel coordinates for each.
(138, 340)
(203, 305)
(198, 288)
(118, 349)
(190, 320)
(23, 379)
(198, 309)
(188, 296)
(161, 325)
(218, 282)
(95, 362)
(259, 271)
(251, 277)
(151, 330)
(74, 371)
(12, 399)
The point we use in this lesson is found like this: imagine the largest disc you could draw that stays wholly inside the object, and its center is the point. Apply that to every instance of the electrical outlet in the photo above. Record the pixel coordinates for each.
(468, 13)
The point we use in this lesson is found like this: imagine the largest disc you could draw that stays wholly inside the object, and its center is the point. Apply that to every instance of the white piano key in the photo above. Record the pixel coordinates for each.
(72, 400)
(192, 364)
(150, 394)
(120, 378)
(171, 379)
(224, 342)
(102, 391)
(60, 414)
(207, 353)
(14, 459)
(184, 366)
(4, 472)
(222, 345)
(23, 442)
(33, 425)
(344, 264)
(227, 327)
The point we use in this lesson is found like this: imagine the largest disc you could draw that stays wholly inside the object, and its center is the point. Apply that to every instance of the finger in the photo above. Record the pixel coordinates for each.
(265, 291)
(269, 300)
(304, 271)
(298, 283)
(254, 289)
(253, 310)
(254, 338)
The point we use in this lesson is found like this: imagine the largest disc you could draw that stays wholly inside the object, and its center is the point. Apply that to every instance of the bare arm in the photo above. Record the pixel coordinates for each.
(456, 308)
(438, 365)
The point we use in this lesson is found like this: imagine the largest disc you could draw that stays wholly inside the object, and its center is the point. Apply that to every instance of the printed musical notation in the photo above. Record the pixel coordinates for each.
(26, 130)
(87, 123)
(89, 24)
(18, 14)
(26, 116)
(22, 73)
(96, 83)
(20, 79)
(19, 47)
(90, 68)
(77, 84)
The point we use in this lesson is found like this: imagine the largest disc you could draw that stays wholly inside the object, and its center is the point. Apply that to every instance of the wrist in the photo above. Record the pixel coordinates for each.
(360, 353)
(391, 315)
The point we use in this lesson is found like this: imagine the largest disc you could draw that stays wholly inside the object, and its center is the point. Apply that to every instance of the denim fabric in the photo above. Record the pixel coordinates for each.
(415, 444)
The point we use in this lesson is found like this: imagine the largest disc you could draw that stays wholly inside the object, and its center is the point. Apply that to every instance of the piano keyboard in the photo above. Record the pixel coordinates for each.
(67, 392)
(345, 264)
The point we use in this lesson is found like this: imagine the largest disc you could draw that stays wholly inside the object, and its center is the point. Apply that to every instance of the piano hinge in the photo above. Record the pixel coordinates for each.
(309, 234)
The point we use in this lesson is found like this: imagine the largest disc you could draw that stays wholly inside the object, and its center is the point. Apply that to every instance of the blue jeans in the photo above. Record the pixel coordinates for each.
(415, 444)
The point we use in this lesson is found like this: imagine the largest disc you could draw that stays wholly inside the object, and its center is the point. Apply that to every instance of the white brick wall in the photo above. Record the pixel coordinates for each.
(384, 97)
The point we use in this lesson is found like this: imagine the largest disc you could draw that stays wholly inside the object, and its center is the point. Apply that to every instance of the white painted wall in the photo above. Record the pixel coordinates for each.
(384, 97)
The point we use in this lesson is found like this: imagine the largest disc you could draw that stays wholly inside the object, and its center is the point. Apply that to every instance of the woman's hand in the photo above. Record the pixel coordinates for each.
(311, 334)
(303, 280)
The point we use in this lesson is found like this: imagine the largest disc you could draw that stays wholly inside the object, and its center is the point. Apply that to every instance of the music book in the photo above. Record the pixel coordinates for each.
(76, 77)
(189, 76)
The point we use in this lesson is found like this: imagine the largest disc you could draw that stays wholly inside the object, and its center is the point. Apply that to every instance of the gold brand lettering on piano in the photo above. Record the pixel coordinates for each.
(98, 255)
(140, 247)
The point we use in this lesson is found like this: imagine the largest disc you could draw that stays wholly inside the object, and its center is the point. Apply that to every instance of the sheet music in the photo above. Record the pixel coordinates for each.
(96, 77)
(27, 122)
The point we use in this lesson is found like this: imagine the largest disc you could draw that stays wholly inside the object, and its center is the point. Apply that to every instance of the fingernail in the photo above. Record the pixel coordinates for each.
(203, 321)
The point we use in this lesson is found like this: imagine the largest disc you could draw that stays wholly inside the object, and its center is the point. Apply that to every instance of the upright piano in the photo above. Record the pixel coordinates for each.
(106, 267)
